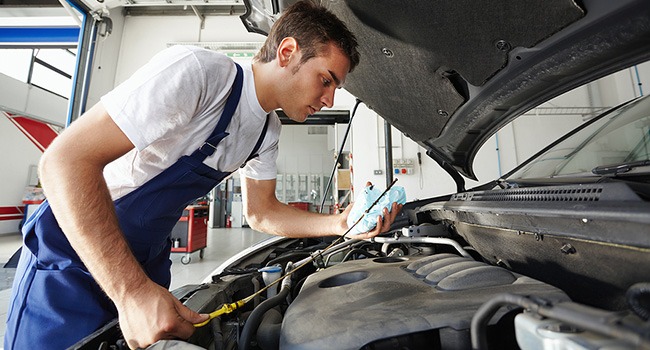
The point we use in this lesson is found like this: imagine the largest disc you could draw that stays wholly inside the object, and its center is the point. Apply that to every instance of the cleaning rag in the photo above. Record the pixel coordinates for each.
(369, 195)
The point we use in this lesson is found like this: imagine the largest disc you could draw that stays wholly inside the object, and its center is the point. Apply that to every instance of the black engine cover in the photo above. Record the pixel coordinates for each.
(357, 303)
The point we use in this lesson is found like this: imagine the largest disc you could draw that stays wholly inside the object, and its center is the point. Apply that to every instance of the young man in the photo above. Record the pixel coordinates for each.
(118, 179)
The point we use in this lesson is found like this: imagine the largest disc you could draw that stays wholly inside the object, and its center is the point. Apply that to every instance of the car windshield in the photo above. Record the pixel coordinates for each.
(613, 143)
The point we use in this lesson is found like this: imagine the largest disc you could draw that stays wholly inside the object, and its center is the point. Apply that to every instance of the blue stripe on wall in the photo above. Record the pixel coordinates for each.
(39, 35)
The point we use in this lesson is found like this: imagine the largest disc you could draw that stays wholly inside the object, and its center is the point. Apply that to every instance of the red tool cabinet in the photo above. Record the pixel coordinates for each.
(191, 232)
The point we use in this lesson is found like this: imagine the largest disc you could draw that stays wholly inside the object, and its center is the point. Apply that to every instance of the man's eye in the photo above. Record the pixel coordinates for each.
(326, 82)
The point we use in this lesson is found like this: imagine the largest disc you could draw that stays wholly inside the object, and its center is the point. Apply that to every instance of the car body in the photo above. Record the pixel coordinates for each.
(554, 254)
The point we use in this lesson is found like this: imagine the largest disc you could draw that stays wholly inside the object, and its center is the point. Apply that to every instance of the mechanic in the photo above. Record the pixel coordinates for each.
(119, 177)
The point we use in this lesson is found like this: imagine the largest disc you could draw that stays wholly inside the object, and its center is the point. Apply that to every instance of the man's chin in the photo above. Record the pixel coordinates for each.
(299, 118)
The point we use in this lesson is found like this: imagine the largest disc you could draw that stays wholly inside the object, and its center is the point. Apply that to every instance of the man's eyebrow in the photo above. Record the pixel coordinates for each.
(336, 79)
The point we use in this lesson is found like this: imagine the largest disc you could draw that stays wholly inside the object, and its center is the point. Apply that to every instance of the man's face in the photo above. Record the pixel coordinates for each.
(309, 87)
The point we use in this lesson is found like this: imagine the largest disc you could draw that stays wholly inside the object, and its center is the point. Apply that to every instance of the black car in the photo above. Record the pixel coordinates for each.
(553, 255)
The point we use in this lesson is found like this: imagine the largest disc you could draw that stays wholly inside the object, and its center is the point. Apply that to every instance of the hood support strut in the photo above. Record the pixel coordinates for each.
(458, 179)
(388, 152)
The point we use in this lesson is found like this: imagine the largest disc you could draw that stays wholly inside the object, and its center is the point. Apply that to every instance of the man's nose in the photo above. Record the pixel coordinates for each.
(328, 98)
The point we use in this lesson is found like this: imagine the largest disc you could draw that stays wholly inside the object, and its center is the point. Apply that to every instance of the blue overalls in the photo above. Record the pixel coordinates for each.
(55, 300)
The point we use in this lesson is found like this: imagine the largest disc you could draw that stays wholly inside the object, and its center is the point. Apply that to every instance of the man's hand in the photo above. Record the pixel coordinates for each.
(152, 313)
(383, 222)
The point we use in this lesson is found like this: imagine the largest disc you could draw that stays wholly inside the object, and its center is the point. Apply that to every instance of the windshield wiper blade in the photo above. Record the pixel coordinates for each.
(619, 168)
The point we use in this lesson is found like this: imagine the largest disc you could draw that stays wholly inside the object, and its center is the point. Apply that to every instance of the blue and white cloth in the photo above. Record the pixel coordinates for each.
(396, 194)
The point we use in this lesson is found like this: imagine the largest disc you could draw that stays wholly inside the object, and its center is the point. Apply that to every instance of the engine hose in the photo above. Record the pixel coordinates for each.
(268, 333)
(298, 287)
(638, 297)
(339, 248)
(432, 240)
(255, 318)
(256, 287)
(351, 253)
(580, 316)
(289, 256)
(217, 335)
(478, 326)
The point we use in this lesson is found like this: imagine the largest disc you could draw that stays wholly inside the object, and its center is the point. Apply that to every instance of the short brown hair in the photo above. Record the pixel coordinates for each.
(313, 26)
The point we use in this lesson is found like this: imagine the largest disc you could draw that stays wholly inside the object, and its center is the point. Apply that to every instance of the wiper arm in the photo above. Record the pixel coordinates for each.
(619, 168)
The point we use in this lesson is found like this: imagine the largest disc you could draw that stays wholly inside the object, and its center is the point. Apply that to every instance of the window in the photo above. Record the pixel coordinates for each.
(50, 69)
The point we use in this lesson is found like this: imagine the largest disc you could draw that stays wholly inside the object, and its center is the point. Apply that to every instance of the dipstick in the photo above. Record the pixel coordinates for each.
(225, 309)
(229, 308)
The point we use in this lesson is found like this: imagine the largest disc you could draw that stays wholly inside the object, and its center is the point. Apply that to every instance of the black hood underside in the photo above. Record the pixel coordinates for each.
(440, 49)
(449, 74)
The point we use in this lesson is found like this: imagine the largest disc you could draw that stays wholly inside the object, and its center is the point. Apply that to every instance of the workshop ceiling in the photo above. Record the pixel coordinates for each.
(171, 7)
(146, 7)
(128, 3)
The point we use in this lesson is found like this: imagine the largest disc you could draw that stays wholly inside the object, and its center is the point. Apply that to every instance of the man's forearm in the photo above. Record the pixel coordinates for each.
(265, 213)
(288, 221)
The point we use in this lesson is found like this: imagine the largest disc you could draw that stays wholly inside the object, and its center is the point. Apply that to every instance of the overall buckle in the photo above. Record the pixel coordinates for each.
(207, 148)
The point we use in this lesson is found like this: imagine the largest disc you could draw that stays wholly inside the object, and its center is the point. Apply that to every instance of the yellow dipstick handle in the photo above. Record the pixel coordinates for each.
(225, 309)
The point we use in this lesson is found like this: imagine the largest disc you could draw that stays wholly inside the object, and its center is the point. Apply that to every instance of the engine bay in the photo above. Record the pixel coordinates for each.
(420, 287)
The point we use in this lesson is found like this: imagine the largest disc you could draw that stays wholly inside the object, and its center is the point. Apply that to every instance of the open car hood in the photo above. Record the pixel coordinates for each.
(450, 74)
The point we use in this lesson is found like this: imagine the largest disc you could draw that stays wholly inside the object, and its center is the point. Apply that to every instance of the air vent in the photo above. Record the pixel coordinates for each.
(569, 193)
(546, 194)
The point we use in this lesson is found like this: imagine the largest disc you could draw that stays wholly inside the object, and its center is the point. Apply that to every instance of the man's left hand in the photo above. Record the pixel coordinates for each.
(383, 222)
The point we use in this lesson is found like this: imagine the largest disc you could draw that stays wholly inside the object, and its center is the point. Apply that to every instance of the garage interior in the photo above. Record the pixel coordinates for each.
(46, 82)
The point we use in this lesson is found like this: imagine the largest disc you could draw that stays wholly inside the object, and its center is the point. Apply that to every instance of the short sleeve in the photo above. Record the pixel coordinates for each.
(160, 96)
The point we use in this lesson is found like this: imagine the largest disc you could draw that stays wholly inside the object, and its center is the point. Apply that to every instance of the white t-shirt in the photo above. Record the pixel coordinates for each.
(171, 105)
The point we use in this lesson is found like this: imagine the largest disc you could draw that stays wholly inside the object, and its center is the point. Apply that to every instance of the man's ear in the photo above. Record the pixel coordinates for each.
(288, 47)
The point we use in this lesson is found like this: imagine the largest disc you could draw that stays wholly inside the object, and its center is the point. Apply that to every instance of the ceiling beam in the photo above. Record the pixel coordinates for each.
(182, 10)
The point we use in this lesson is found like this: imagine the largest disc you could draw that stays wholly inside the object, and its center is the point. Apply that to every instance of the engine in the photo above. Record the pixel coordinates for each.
(406, 291)
(402, 302)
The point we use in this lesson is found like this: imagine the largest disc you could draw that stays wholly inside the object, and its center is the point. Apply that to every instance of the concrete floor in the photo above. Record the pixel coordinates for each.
(222, 244)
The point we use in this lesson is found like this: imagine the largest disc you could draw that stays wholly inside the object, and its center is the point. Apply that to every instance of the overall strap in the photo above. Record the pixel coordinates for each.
(210, 145)
(259, 141)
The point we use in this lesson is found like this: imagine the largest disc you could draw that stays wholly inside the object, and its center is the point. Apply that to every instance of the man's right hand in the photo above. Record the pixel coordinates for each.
(151, 313)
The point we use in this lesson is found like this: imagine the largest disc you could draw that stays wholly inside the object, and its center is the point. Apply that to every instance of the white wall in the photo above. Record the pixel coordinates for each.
(303, 153)
(135, 39)
(144, 36)
(17, 152)
(367, 140)
(17, 155)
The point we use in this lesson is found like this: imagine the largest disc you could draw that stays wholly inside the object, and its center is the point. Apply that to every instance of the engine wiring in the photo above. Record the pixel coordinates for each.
(349, 255)
(351, 244)
(228, 308)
